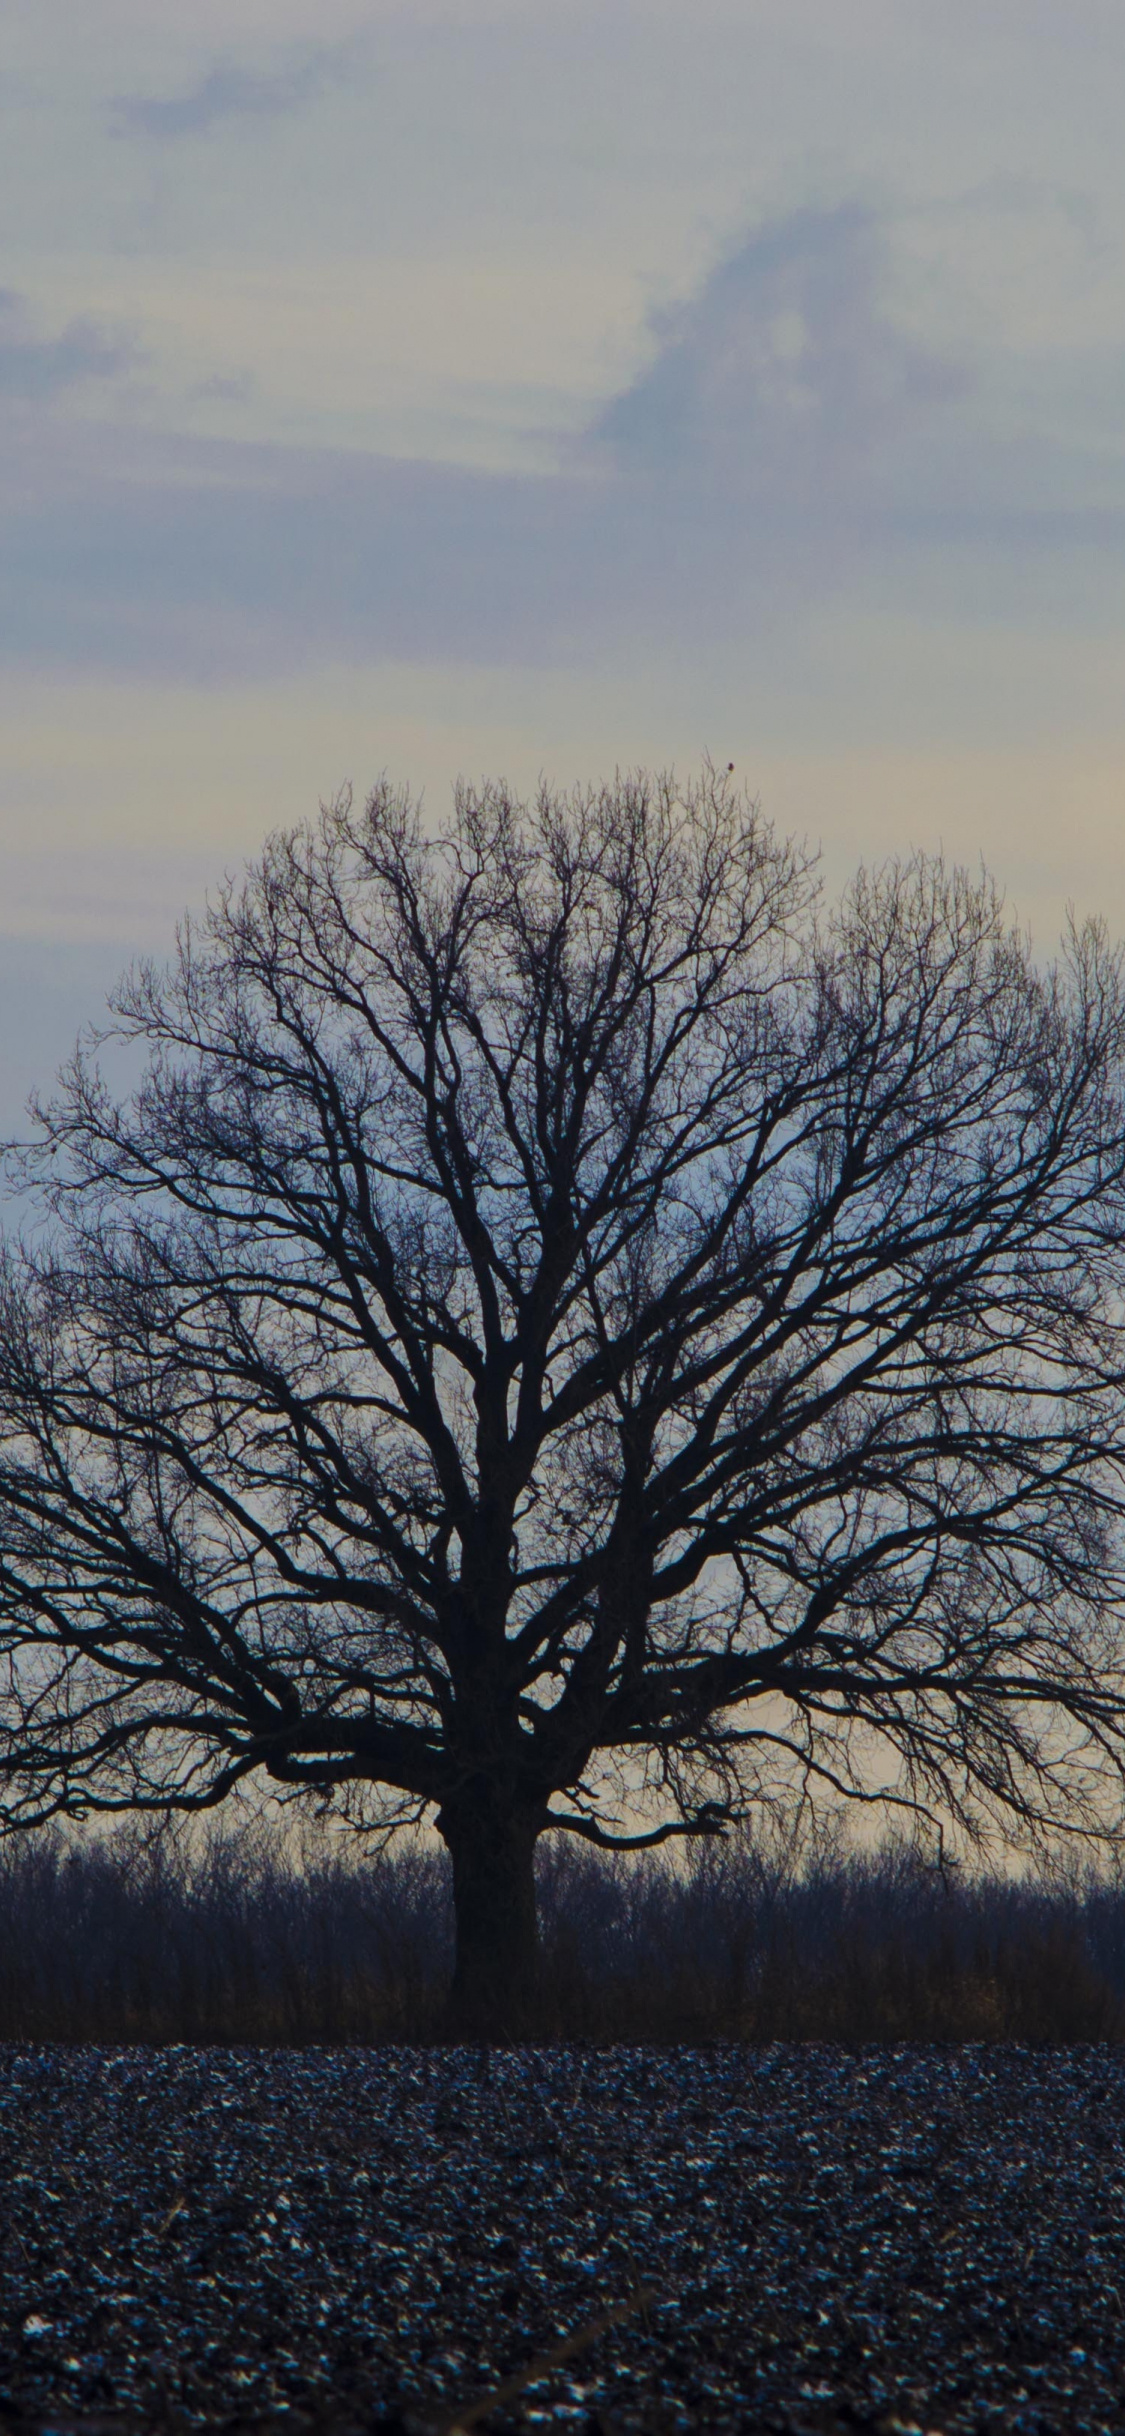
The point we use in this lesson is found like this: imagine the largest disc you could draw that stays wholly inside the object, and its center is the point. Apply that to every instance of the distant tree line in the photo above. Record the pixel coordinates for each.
(243, 1938)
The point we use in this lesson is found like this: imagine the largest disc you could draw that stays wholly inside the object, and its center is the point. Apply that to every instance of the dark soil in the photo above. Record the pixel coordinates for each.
(885, 2239)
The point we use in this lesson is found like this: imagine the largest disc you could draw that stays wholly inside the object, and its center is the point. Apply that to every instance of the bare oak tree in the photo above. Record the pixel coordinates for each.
(563, 1329)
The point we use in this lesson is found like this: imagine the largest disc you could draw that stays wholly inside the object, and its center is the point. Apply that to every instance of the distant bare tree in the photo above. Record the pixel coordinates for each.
(564, 1329)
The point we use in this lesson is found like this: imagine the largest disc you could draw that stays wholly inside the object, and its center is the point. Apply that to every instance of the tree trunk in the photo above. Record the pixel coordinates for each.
(496, 1969)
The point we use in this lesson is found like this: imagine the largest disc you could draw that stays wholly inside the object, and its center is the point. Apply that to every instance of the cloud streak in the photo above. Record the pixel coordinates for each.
(225, 92)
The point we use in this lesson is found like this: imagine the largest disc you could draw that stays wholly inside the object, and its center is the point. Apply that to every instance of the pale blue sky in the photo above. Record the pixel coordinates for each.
(524, 387)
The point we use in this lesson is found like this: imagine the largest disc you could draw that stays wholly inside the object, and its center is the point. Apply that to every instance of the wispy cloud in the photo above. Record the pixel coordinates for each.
(32, 367)
(227, 91)
(789, 442)
(785, 375)
(227, 388)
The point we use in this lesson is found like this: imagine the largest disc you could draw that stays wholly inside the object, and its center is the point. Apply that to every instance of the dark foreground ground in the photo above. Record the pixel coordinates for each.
(883, 2239)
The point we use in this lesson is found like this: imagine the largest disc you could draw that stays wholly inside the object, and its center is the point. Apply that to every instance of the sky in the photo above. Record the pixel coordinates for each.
(522, 387)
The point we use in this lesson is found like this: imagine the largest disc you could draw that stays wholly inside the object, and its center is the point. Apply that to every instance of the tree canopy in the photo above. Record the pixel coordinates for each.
(569, 1331)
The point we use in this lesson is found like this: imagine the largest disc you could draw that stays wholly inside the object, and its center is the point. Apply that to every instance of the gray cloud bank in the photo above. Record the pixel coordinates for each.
(786, 445)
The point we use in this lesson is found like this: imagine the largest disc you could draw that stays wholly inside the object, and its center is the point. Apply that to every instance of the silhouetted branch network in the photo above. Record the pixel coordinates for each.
(565, 1314)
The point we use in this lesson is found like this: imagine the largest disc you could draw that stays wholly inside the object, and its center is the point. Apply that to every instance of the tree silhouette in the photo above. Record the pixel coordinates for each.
(565, 1333)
